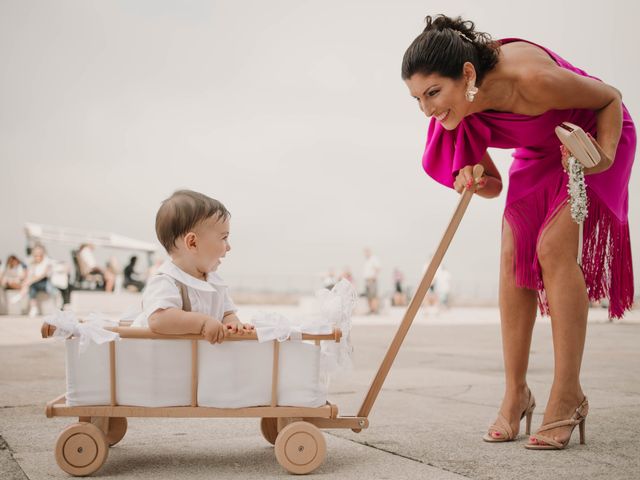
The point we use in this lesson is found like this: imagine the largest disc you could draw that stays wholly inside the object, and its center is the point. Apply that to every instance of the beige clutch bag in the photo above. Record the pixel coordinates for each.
(578, 143)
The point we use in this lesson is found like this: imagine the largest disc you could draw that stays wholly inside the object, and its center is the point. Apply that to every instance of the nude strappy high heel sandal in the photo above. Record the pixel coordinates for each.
(578, 418)
(504, 429)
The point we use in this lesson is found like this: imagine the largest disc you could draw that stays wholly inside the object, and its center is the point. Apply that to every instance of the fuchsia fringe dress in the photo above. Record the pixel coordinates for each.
(538, 189)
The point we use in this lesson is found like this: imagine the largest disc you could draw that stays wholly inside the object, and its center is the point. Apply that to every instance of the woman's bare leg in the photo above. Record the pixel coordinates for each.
(517, 317)
(568, 305)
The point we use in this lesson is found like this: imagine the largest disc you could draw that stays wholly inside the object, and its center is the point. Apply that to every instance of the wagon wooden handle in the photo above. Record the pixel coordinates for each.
(417, 299)
(139, 332)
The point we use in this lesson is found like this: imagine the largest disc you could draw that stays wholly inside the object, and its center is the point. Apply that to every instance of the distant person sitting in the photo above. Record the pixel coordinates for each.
(89, 266)
(60, 278)
(13, 274)
(11, 278)
(131, 278)
(37, 280)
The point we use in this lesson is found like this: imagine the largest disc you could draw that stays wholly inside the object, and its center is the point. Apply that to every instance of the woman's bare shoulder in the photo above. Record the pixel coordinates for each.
(521, 59)
(527, 65)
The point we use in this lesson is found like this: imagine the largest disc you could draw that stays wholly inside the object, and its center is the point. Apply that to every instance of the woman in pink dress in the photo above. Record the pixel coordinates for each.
(512, 93)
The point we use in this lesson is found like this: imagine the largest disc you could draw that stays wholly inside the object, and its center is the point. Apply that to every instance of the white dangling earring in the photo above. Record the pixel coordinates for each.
(471, 93)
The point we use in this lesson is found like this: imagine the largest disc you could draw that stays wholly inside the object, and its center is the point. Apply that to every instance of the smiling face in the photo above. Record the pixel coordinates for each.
(443, 97)
(211, 244)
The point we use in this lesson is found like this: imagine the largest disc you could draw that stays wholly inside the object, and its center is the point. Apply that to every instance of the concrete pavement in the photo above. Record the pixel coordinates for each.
(441, 394)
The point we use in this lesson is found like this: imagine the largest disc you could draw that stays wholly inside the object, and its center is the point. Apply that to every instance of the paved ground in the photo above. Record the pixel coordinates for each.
(440, 396)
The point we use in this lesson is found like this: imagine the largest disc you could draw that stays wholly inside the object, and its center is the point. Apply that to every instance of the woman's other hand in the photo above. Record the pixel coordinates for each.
(604, 164)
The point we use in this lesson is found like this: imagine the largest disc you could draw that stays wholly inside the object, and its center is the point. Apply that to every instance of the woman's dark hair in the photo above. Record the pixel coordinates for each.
(445, 45)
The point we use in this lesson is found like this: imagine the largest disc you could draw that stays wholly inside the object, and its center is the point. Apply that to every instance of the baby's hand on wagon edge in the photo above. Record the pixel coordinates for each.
(236, 326)
(213, 330)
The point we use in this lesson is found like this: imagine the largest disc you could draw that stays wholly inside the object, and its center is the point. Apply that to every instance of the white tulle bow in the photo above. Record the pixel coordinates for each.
(93, 329)
(337, 305)
(274, 326)
(330, 309)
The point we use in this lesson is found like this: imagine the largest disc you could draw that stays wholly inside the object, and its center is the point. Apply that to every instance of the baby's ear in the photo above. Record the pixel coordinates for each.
(190, 240)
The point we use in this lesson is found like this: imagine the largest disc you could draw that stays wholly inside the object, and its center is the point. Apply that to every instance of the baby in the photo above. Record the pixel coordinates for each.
(186, 296)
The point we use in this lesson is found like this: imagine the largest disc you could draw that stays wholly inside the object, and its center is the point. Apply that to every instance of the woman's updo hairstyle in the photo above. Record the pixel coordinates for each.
(445, 45)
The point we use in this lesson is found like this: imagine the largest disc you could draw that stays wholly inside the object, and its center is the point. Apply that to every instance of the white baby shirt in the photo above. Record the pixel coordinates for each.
(210, 297)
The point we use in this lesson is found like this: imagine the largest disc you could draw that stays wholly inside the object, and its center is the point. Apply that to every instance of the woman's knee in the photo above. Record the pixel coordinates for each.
(558, 244)
(553, 253)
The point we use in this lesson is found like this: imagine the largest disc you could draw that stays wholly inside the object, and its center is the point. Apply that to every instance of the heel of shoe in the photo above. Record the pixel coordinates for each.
(529, 415)
(582, 426)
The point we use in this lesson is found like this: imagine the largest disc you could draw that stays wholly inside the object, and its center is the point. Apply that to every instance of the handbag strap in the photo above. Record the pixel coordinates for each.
(580, 242)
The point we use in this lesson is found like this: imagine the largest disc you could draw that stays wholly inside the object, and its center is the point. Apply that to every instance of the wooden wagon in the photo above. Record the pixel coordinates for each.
(296, 432)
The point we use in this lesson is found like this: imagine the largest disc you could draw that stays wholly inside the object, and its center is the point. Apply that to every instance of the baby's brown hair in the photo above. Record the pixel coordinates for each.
(181, 212)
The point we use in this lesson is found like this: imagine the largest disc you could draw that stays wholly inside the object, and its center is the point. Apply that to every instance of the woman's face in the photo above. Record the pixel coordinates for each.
(440, 97)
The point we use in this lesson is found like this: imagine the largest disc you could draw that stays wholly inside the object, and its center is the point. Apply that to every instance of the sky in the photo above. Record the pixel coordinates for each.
(292, 113)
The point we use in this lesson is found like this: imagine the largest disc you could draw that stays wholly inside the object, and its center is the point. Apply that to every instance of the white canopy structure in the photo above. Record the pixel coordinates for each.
(76, 236)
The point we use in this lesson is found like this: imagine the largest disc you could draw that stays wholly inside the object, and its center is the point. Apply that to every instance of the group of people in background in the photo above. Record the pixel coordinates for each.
(41, 276)
(438, 295)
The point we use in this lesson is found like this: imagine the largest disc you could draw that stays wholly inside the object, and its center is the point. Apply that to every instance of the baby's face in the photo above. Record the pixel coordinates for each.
(213, 243)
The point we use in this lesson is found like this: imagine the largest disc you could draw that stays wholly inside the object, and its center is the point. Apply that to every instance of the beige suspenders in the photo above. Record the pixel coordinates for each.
(184, 294)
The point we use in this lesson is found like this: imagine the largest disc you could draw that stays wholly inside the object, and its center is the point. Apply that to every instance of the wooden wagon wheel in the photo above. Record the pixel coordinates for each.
(81, 449)
(300, 447)
(115, 430)
(269, 429)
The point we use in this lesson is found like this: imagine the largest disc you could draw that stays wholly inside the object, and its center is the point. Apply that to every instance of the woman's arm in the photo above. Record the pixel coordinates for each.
(553, 87)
